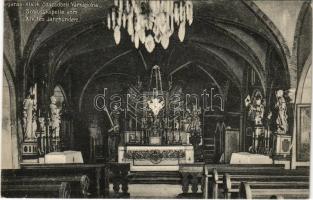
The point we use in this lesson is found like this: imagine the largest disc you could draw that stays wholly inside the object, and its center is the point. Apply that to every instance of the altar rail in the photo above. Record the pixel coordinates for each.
(191, 174)
(99, 176)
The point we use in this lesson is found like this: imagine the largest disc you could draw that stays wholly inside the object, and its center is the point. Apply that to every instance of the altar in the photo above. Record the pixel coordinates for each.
(156, 158)
(157, 127)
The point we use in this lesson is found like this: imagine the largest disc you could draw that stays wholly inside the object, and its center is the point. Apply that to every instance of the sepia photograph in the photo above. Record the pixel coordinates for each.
(156, 99)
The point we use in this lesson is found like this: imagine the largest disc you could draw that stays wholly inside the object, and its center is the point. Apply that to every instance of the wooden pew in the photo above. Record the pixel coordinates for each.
(288, 190)
(213, 175)
(98, 174)
(231, 182)
(50, 190)
(13, 180)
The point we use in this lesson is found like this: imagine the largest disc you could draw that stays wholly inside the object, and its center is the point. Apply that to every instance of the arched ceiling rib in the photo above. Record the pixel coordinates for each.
(212, 8)
(97, 38)
(225, 36)
(283, 15)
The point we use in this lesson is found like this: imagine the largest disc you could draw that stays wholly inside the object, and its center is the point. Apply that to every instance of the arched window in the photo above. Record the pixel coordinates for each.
(60, 96)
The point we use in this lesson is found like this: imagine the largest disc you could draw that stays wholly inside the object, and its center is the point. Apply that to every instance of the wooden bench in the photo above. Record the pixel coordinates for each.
(22, 182)
(263, 178)
(48, 190)
(213, 175)
(98, 174)
(288, 190)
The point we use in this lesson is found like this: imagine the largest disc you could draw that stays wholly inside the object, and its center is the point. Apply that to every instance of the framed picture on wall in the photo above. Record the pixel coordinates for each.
(303, 132)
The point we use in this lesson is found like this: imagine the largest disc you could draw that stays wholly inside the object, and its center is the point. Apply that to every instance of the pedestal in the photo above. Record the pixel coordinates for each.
(30, 150)
(282, 145)
(250, 158)
(63, 157)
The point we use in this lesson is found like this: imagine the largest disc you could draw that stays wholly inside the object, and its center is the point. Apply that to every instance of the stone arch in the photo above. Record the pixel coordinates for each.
(94, 75)
(296, 40)
(284, 52)
(268, 22)
(298, 99)
(302, 79)
(13, 119)
(61, 94)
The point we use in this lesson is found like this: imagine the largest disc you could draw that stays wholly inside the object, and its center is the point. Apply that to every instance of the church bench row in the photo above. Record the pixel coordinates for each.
(27, 186)
(98, 175)
(284, 191)
(200, 174)
(231, 183)
(214, 181)
(35, 190)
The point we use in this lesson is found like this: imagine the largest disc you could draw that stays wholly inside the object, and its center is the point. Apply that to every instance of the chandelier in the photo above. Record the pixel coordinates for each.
(150, 21)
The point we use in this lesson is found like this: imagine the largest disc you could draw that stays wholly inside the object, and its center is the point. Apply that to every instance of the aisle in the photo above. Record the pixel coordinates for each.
(154, 185)
(154, 191)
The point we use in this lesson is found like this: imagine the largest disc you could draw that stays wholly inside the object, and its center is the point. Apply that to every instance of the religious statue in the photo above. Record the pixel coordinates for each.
(115, 116)
(114, 138)
(281, 106)
(195, 119)
(187, 121)
(29, 118)
(256, 113)
(256, 109)
(55, 118)
(41, 121)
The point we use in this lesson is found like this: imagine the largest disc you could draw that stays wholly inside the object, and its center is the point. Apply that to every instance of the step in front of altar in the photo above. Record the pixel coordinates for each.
(151, 177)
(156, 158)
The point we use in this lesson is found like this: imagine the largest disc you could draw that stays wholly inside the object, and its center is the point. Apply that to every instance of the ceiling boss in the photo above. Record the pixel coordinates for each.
(150, 21)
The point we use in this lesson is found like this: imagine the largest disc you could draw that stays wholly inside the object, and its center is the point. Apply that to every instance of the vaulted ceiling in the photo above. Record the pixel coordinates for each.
(225, 38)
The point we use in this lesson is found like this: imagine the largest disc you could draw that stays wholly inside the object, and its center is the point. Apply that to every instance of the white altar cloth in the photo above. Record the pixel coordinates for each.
(155, 158)
(63, 157)
(249, 158)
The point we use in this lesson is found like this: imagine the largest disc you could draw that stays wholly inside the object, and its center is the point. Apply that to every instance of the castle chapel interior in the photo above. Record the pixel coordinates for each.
(156, 99)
